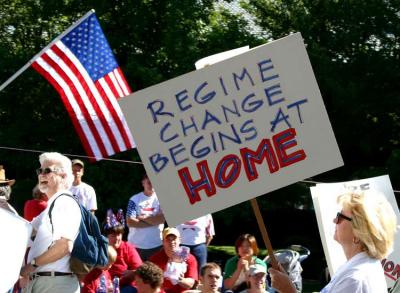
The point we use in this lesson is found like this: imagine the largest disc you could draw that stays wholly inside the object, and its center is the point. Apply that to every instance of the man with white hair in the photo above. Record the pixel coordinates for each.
(48, 266)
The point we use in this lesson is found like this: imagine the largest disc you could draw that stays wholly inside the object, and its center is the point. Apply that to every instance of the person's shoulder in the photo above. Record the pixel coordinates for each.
(66, 201)
(191, 257)
(260, 262)
(232, 259)
(137, 196)
(86, 186)
(158, 256)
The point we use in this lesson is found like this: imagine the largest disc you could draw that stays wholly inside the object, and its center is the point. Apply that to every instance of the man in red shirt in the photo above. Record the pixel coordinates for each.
(179, 266)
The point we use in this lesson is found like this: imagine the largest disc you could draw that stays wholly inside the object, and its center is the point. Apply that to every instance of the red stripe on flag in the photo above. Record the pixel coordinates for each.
(124, 80)
(91, 97)
(111, 85)
(71, 113)
(79, 100)
(114, 113)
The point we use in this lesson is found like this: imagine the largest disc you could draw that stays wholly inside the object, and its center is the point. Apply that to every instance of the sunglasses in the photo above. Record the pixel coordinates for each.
(46, 170)
(340, 217)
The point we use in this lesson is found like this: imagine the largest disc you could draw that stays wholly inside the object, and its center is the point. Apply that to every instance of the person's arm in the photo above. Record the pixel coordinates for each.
(210, 231)
(133, 260)
(281, 282)
(92, 200)
(229, 282)
(188, 280)
(136, 223)
(208, 239)
(154, 220)
(186, 283)
(132, 219)
(61, 248)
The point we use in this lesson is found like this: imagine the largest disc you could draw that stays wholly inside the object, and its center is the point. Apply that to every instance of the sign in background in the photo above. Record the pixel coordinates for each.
(16, 232)
(324, 199)
(232, 131)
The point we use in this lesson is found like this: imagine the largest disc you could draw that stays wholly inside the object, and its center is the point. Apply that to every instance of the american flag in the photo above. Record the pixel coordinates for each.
(81, 67)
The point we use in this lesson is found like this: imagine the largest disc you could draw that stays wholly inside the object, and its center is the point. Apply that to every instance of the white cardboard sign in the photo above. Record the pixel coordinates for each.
(232, 131)
(324, 198)
(16, 232)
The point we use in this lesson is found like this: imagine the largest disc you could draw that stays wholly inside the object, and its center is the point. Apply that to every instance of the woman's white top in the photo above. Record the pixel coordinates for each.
(360, 274)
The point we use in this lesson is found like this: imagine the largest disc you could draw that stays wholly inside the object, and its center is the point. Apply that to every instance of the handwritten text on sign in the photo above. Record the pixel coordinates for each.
(221, 128)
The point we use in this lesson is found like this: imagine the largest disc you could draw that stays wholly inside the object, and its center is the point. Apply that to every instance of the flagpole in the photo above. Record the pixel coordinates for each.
(26, 66)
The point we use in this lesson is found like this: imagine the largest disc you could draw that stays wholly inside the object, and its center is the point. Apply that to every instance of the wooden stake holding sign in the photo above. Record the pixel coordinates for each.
(264, 232)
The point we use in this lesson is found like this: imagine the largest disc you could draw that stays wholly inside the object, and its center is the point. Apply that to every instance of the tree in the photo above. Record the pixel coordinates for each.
(354, 49)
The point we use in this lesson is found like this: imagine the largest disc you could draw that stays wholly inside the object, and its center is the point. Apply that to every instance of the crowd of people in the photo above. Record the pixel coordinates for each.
(174, 259)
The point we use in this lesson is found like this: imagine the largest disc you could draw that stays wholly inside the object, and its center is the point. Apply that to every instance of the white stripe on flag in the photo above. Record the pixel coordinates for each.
(121, 82)
(115, 84)
(97, 96)
(111, 98)
(117, 108)
(78, 113)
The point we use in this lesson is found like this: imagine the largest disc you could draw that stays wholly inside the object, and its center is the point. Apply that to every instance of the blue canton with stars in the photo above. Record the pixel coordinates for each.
(90, 46)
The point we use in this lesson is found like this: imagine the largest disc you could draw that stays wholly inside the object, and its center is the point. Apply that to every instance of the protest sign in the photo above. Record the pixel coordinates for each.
(16, 232)
(232, 131)
(324, 198)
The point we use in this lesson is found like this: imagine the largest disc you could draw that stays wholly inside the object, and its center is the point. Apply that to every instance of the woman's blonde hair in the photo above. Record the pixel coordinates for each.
(373, 221)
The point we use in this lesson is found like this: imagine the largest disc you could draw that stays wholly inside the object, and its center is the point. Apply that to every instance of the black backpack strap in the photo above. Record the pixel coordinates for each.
(52, 206)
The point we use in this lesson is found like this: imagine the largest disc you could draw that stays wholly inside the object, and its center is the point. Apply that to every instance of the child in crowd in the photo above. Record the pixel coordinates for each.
(93, 280)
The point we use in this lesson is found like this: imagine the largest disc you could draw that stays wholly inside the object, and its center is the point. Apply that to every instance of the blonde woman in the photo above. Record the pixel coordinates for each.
(365, 229)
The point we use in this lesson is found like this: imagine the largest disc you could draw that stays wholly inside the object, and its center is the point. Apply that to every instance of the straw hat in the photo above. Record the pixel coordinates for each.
(3, 179)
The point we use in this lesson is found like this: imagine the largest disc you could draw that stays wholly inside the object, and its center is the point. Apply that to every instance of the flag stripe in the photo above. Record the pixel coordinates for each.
(91, 97)
(76, 97)
(81, 125)
(115, 84)
(121, 81)
(121, 116)
(117, 130)
(110, 85)
(115, 111)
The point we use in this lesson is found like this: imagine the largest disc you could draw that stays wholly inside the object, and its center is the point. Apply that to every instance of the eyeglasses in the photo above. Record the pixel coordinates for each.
(340, 217)
(46, 170)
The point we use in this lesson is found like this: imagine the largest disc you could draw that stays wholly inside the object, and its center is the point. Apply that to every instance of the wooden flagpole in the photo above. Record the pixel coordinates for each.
(264, 232)
(26, 66)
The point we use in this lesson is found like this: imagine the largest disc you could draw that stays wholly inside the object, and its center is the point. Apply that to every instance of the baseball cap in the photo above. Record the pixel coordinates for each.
(170, 231)
(78, 162)
(257, 268)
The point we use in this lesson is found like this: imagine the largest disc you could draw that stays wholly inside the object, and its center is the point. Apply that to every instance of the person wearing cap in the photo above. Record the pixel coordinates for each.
(210, 278)
(179, 266)
(81, 190)
(5, 191)
(257, 279)
(48, 267)
(145, 220)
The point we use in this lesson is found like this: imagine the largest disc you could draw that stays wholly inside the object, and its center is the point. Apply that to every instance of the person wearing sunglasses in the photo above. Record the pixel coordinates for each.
(48, 266)
(365, 228)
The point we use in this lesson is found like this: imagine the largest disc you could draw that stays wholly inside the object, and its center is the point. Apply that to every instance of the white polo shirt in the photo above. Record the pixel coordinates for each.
(66, 217)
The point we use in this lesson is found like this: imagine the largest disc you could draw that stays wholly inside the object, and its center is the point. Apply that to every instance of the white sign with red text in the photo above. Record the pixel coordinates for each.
(234, 130)
(324, 199)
